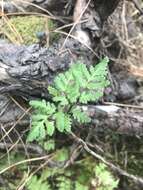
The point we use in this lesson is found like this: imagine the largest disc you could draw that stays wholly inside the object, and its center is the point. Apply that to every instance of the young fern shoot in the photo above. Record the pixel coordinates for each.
(78, 85)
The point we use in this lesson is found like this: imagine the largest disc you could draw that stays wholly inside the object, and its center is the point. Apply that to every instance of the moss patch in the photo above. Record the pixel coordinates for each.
(23, 29)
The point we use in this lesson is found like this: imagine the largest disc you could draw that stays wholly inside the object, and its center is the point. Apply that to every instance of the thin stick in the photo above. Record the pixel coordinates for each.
(74, 25)
(136, 179)
(123, 105)
(25, 161)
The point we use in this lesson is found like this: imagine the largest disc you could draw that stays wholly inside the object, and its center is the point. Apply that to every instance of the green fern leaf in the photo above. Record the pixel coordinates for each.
(63, 121)
(85, 72)
(91, 70)
(68, 122)
(78, 75)
(37, 132)
(98, 95)
(39, 117)
(80, 116)
(84, 98)
(79, 84)
(63, 78)
(53, 91)
(43, 106)
(69, 76)
(73, 93)
(105, 178)
(101, 68)
(59, 83)
(38, 104)
(79, 186)
(97, 85)
(50, 128)
(62, 99)
(37, 184)
(90, 96)
(50, 108)
(60, 121)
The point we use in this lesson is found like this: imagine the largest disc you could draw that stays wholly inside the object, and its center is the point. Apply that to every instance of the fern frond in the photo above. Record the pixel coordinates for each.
(62, 99)
(53, 91)
(79, 84)
(69, 76)
(97, 85)
(40, 120)
(38, 104)
(39, 117)
(85, 72)
(63, 121)
(60, 82)
(50, 127)
(37, 184)
(60, 121)
(43, 107)
(76, 70)
(87, 96)
(68, 123)
(73, 93)
(50, 108)
(37, 132)
(80, 81)
(80, 116)
(101, 68)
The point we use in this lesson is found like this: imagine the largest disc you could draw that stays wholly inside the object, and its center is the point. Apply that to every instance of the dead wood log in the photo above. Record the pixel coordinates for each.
(120, 120)
(27, 71)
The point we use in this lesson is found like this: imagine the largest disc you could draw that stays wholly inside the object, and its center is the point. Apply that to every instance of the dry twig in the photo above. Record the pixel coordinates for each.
(137, 180)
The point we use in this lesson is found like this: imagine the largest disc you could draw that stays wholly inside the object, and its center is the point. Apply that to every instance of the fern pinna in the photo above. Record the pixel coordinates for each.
(78, 85)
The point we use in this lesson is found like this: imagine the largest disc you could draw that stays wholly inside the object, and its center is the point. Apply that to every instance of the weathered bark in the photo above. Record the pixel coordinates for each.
(120, 120)
(27, 71)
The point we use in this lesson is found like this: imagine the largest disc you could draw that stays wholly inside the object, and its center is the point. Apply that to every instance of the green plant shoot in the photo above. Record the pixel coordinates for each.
(79, 85)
